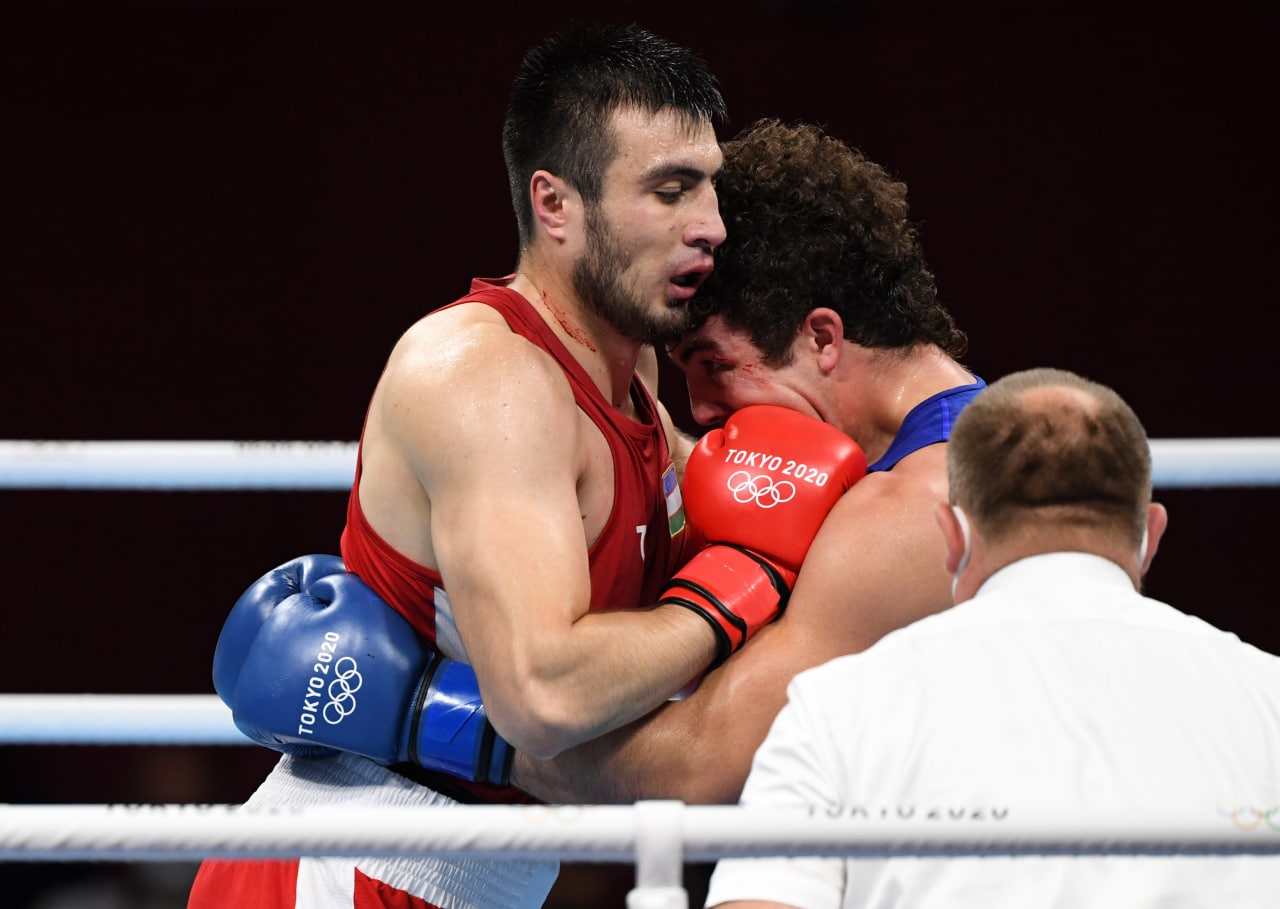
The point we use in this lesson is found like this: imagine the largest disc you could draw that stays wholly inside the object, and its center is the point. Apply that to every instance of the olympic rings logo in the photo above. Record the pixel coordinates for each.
(342, 691)
(1251, 818)
(762, 489)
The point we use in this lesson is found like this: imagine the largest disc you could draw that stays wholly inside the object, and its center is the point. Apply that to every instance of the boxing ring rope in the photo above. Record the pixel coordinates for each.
(658, 836)
(35, 464)
(117, 719)
(663, 833)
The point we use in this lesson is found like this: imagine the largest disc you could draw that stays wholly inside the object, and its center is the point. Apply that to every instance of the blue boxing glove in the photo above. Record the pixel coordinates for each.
(312, 661)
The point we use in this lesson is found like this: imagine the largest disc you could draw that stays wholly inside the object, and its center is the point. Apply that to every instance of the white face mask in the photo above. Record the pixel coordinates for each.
(1142, 550)
(963, 520)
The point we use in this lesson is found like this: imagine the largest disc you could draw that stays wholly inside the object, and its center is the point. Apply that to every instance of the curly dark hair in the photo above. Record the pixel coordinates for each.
(813, 222)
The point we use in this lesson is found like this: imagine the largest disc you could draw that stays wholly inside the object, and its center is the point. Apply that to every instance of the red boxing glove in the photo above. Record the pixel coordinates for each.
(758, 489)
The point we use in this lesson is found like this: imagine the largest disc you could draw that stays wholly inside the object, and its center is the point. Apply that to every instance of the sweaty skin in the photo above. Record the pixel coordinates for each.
(474, 434)
(876, 564)
(699, 749)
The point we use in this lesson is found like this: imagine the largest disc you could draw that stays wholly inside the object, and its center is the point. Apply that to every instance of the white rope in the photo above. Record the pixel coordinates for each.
(26, 464)
(117, 719)
(177, 465)
(1197, 463)
(609, 833)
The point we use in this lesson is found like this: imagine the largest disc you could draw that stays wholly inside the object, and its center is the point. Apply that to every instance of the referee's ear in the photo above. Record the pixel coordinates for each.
(1157, 524)
(955, 534)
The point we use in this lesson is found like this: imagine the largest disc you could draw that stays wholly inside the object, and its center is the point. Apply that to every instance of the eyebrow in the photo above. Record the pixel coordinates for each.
(666, 171)
(689, 349)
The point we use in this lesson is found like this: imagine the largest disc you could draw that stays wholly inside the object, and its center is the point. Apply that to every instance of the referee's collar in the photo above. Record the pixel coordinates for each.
(1049, 569)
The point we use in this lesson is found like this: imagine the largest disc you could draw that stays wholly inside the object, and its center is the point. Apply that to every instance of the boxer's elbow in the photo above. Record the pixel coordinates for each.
(540, 720)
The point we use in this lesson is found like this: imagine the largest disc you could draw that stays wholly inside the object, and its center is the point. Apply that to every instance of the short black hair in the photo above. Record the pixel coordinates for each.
(567, 89)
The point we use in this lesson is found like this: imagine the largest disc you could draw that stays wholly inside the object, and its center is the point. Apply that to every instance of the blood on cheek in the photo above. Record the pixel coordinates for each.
(755, 373)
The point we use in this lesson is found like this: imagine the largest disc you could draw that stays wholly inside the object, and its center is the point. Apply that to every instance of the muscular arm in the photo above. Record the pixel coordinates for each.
(487, 426)
(876, 564)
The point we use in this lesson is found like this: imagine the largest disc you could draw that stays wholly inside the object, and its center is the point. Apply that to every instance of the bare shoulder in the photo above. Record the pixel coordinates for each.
(889, 502)
(467, 417)
(919, 478)
(465, 367)
(467, 340)
(877, 562)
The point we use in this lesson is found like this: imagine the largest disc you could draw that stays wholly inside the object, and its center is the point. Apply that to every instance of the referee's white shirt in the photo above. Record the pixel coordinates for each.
(1057, 684)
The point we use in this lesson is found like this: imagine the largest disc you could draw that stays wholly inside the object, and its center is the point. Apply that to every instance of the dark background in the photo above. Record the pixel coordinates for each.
(219, 216)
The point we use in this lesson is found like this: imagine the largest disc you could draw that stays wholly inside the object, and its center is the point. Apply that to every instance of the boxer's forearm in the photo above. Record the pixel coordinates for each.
(677, 752)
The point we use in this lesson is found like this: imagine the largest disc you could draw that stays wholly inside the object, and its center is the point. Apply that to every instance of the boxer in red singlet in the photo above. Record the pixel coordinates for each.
(516, 500)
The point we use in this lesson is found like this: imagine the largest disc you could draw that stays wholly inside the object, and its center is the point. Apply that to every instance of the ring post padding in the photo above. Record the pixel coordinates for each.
(659, 856)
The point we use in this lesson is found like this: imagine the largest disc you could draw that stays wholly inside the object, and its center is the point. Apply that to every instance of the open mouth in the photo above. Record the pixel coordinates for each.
(691, 279)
